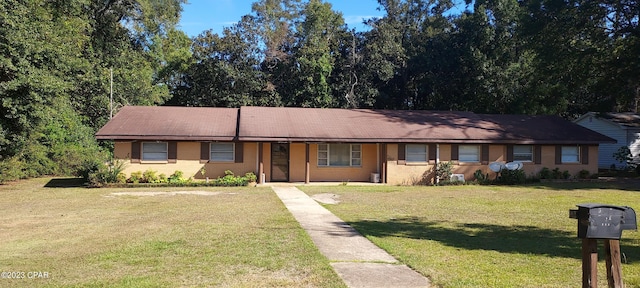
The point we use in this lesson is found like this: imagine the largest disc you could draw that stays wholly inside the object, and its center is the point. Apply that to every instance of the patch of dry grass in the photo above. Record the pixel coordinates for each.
(241, 237)
(486, 236)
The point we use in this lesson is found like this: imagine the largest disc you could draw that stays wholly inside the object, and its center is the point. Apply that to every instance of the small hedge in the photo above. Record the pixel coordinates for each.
(111, 175)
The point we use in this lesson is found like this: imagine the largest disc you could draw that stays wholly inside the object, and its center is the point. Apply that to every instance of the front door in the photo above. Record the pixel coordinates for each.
(280, 162)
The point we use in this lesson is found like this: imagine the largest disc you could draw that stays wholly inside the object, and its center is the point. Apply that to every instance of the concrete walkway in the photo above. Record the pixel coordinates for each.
(357, 261)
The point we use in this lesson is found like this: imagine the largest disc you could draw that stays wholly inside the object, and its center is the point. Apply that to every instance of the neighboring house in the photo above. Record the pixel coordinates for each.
(313, 144)
(623, 127)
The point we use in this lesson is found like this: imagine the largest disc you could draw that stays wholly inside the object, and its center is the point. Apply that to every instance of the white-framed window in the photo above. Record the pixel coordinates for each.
(416, 153)
(570, 154)
(339, 155)
(222, 152)
(523, 153)
(469, 153)
(154, 151)
(356, 155)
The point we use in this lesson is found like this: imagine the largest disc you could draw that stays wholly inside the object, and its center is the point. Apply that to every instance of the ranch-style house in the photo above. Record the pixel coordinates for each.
(285, 144)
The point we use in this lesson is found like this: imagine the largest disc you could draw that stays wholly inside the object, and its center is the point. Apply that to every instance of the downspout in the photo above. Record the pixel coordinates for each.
(307, 168)
(258, 163)
(437, 161)
(261, 176)
(383, 176)
(378, 158)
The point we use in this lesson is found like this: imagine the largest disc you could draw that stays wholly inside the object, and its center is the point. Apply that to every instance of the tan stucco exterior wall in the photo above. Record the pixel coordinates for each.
(188, 154)
(188, 161)
(297, 158)
(216, 169)
(344, 174)
(497, 153)
(399, 173)
(266, 156)
(122, 150)
(548, 160)
(297, 163)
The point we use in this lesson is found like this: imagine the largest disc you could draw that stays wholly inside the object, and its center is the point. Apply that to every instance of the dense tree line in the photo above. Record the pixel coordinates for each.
(55, 61)
(562, 57)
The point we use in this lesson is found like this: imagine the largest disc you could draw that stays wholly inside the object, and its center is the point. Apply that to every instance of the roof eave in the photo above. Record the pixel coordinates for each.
(421, 140)
(165, 138)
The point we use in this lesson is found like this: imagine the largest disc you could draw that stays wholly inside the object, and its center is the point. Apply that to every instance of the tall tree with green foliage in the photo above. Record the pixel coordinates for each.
(314, 54)
(54, 75)
(40, 51)
(495, 69)
(138, 40)
(577, 56)
(397, 50)
(621, 24)
(225, 71)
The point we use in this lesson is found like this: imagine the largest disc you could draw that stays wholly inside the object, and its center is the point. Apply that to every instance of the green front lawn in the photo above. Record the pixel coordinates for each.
(240, 237)
(486, 236)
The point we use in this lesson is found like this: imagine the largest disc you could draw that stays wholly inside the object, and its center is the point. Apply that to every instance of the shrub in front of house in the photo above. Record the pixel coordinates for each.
(230, 179)
(121, 178)
(97, 174)
(177, 178)
(584, 174)
(251, 177)
(548, 174)
(452, 183)
(511, 177)
(480, 177)
(444, 171)
(545, 173)
(135, 177)
(150, 176)
(112, 175)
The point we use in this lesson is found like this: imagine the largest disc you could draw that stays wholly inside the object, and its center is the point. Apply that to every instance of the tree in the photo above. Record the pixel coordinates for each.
(138, 40)
(623, 64)
(572, 49)
(55, 58)
(350, 82)
(495, 66)
(314, 54)
(225, 71)
(274, 24)
(40, 51)
(398, 49)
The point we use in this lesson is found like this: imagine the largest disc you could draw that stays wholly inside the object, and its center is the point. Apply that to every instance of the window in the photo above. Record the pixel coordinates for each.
(416, 153)
(523, 153)
(222, 152)
(469, 153)
(339, 155)
(154, 151)
(356, 155)
(570, 154)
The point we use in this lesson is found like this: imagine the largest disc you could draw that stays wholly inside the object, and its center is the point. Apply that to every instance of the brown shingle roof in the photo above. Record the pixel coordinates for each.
(171, 123)
(361, 125)
(340, 125)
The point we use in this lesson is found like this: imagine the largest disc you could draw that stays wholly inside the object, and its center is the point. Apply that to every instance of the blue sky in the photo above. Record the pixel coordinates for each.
(200, 15)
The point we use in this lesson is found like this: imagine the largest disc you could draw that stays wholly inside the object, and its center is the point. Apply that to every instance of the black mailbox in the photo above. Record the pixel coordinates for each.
(603, 221)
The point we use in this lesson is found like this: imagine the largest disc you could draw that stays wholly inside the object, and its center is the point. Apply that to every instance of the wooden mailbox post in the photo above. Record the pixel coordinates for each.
(602, 222)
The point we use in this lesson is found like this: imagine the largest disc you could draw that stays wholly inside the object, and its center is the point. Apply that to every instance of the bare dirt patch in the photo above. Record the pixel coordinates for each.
(327, 198)
(173, 193)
